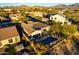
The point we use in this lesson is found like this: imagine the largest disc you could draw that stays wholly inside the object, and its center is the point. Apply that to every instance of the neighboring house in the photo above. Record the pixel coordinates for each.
(2, 18)
(58, 18)
(45, 19)
(50, 9)
(34, 28)
(7, 10)
(8, 35)
(16, 16)
(27, 12)
(37, 14)
(21, 18)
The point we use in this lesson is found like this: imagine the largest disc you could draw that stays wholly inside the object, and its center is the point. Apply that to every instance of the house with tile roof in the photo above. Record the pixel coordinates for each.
(17, 17)
(9, 35)
(7, 10)
(37, 14)
(2, 18)
(35, 28)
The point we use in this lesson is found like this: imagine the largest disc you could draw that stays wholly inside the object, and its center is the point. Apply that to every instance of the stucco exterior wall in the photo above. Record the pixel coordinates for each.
(6, 41)
(40, 31)
(58, 18)
(8, 10)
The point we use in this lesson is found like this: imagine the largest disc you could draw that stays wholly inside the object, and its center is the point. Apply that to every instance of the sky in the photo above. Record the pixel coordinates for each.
(32, 4)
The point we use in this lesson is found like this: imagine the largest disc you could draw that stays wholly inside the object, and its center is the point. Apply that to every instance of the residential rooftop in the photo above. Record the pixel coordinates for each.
(8, 32)
(48, 15)
(33, 26)
(2, 18)
(14, 15)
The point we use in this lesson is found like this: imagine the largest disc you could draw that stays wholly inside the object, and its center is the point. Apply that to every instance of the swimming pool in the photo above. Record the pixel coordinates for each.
(48, 40)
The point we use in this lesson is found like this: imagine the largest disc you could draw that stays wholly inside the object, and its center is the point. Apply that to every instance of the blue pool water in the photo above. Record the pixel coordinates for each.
(48, 40)
(32, 18)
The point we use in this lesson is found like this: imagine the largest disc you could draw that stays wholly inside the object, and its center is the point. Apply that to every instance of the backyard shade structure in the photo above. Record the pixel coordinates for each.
(8, 32)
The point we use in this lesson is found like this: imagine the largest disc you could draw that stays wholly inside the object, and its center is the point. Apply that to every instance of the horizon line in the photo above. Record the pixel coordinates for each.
(33, 4)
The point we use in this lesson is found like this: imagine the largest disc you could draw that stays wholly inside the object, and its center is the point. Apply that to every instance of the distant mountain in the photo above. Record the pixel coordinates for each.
(75, 5)
(61, 5)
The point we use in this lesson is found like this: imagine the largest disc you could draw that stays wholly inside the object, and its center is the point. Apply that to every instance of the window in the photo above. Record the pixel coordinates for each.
(10, 41)
(52, 18)
(60, 22)
(0, 44)
(55, 18)
(16, 39)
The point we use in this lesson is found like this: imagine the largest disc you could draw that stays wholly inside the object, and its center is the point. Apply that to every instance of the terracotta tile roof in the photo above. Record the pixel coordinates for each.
(8, 32)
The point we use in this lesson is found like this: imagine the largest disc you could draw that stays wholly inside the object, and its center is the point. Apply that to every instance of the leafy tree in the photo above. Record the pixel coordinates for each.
(25, 19)
(64, 30)
(2, 14)
(14, 11)
(10, 50)
(38, 18)
(44, 32)
(23, 13)
(69, 29)
(55, 28)
(15, 20)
